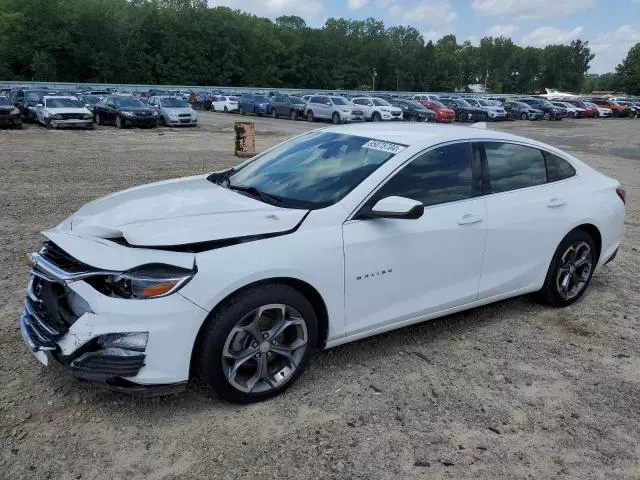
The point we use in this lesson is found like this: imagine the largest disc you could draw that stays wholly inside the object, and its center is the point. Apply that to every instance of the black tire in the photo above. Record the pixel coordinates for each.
(546, 116)
(485, 117)
(47, 123)
(99, 119)
(412, 118)
(335, 118)
(550, 292)
(241, 111)
(213, 107)
(274, 113)
(162, 121)
(208, 353)
(91, 127)
(17, 126)
(226, 110)
(310, 117)
(375, 117)
(119, 122)
(571, 114)
(293, 114)
(256, 112)
(524, 116)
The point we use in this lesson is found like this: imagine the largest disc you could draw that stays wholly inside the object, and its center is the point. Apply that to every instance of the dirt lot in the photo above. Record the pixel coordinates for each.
(512, 390)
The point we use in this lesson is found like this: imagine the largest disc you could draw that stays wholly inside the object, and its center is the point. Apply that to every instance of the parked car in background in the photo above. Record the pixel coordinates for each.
(618, 110)
(589, 111)
(324, 107)
(377, 109)
(572, 110)
(635, 110)
(549, 111)
(256, 104)
(464, 112)
(443, 113)
(413, 111)
(26, 100)
(239, 276)
(58, 111)
(286, 106)
(125, 111)
(522, 111)
(10, 116)
(90, 101)
(424, 98)
(174, 111)
(495, 112)
(600, 111)
(224, 103)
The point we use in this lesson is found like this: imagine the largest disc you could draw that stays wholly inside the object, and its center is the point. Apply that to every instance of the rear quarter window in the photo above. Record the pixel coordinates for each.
(558, 168)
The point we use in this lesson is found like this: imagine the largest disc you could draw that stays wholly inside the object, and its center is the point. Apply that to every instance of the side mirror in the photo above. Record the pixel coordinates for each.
(39, 105)
(395, 207)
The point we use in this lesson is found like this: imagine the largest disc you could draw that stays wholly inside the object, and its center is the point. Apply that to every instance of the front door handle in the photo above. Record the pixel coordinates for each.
(469, 219)
(555, 203)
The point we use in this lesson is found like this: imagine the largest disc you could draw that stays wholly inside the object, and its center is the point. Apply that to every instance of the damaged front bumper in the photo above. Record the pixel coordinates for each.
(128, 344)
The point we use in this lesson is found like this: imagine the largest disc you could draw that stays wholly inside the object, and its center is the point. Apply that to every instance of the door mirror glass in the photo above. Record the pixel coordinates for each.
(397, 207)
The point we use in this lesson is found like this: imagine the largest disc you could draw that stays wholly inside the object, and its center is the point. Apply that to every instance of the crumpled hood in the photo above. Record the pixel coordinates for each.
(80, 110)
(179, 212)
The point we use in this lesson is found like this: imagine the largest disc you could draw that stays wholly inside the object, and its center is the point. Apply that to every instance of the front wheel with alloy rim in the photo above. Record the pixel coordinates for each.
(376, 117)
(570, 271)
(257, 343)
(310, 116)
(524, 116)
(119, 122)
(274, 113)
(98, 119)
(335, 118)
(547, 116)
(293, 114)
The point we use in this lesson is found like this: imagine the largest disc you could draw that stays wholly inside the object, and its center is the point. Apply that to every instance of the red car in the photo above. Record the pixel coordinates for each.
(443, 114)
(591, 112)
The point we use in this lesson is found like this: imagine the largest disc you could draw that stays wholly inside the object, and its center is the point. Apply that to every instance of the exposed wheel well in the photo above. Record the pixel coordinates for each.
(594, 233)
(304, 288)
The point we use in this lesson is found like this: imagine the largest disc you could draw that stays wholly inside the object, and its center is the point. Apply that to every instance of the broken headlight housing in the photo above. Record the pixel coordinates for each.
(145, 282)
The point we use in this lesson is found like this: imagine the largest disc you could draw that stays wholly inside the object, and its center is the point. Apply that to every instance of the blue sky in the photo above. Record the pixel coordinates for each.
(610, 26)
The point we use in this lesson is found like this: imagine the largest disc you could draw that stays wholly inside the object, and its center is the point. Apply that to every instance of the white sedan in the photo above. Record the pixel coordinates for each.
(59, 111)
(224, 104)
(335, 235)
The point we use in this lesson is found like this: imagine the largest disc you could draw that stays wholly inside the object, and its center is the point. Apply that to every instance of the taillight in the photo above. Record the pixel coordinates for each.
(622, 194)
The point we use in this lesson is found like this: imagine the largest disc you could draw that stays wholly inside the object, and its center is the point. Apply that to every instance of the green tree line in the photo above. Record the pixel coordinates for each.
(184, 42)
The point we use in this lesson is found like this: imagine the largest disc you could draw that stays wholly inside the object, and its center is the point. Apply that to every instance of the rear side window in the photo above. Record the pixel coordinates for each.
(511, 167)
(439, 176)
(558, 168)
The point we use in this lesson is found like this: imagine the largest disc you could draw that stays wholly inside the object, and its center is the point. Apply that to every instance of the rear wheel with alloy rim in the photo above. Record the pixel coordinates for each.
(257, 343)
(570, 271)
(524, 116)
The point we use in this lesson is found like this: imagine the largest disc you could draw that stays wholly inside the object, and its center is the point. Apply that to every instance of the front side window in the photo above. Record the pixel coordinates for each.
(315, 170)
(439, 176)
(511, 167)
(558, 168)
(338, 101)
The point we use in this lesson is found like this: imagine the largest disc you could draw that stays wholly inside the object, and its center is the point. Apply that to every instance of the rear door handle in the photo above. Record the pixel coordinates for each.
(555, 202)
(469, 219)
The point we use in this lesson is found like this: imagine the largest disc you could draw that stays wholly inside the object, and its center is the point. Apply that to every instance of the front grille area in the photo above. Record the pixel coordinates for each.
(62, 259)
(47, 315)
(143, 114)
(357, 112)
(184, 115)
(72, 116)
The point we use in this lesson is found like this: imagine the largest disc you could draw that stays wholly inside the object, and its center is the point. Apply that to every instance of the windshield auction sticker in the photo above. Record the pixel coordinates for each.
(384, 146)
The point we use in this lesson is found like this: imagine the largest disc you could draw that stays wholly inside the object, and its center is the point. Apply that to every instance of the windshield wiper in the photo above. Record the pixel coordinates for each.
(265, 197)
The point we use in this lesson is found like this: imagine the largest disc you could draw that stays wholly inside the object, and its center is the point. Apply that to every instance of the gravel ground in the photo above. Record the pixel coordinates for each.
(511, 390)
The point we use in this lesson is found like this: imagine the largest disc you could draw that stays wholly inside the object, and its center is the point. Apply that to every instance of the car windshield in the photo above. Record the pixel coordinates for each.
(546, 103)
(174, 102)
(379, 102)
(415, 105)
(4, 101)
(438, 105)
(260, 99)
(63, 103)
(520, 104)
(338, 101)
(462, 103)
(129, 102)
(315, 170)
(34, 96)
(486, 103)
(91, 99)
(233, 99)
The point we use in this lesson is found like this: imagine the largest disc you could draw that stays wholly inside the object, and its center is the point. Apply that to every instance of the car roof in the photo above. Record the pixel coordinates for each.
(423, 135)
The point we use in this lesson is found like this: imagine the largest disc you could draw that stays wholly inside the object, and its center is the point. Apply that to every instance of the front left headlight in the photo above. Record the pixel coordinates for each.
(145, 282)
(15, 111)
(154, 113)
(87, 116)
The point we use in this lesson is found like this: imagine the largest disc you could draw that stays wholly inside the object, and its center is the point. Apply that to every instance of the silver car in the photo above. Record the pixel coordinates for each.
(174, 111)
